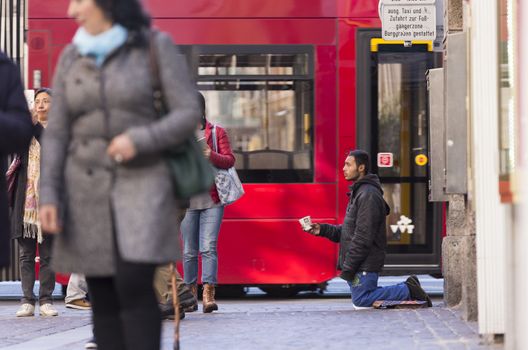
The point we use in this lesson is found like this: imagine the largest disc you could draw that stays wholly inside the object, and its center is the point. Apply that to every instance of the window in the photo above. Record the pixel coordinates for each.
(401, 125)
(263, 96)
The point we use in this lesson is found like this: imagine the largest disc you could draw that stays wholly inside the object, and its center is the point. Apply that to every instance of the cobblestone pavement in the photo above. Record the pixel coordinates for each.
(261, 323)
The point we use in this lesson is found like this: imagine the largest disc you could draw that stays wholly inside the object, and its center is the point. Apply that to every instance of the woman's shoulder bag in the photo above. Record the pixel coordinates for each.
(191, 173)
(12, 177)
(228, 184)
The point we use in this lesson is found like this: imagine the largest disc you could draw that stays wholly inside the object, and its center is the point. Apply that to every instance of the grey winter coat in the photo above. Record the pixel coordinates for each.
(96, 196)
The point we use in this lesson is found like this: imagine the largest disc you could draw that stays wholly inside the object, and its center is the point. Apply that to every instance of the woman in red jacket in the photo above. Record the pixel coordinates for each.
(201, 224)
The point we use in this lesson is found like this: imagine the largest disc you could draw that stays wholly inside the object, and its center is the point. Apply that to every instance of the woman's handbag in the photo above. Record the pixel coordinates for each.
(12, 176)
(227, 182)
(191, 173)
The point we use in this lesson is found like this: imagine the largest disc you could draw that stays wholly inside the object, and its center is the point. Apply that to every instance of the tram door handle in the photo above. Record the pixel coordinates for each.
(307, 122)
(421, 117)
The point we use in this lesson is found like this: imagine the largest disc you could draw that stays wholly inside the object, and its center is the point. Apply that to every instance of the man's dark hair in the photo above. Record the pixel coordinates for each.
(201, 106)
(128, 13)
(41, 90)
(362, 158)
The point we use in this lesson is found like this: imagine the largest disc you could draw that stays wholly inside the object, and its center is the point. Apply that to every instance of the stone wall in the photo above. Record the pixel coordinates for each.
(459, 262)
(459, 258)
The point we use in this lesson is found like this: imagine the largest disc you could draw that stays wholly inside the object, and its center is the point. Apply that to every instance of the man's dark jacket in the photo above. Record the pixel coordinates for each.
(15, 134)
(362, 236)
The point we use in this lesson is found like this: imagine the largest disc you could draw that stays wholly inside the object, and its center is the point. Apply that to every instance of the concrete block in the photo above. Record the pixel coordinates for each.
(469, 302)
(459, 266)
(455, 15)
(458, 217)
(452, 260)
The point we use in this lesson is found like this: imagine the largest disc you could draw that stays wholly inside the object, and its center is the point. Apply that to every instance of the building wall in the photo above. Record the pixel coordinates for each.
(517, 335)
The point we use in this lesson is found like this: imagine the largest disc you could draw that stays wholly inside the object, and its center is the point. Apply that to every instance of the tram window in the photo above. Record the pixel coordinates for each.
(409, 200)
(402, 130)
(402, 111)
(253, 64)
(265, 101)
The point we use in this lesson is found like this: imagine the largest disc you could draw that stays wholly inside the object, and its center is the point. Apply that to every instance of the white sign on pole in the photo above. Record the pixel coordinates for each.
(408, 20)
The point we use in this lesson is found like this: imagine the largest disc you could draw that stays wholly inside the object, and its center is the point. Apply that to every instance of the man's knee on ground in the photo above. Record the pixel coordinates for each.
(361, 302)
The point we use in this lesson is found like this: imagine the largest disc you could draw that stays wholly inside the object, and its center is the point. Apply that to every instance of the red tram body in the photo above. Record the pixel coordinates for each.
(292, 67)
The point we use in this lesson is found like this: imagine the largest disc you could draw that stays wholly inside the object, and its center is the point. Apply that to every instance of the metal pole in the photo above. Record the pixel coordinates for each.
(491, 215)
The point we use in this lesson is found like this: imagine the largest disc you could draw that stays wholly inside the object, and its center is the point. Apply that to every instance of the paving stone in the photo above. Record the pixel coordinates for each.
(262, 323)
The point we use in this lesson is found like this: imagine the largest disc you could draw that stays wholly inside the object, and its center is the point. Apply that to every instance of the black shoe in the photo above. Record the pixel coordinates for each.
(91, 344)
(167, 311)
(191, 308)
(187, 300)
(417, 292)
(414, 280)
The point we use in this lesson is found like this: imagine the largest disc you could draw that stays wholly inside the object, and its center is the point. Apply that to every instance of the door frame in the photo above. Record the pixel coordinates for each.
(395, 262)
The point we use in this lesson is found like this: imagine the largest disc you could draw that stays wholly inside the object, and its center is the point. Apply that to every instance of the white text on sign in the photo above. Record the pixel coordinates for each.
(409, 22)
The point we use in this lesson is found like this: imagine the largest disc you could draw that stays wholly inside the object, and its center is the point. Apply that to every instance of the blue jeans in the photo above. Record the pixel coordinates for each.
(365, 290)
(200, 229)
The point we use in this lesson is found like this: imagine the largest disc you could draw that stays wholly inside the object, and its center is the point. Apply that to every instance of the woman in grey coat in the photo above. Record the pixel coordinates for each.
(105, 186)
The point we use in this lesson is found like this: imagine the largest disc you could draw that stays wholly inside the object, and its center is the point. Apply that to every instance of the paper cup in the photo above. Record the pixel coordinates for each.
(306, 223)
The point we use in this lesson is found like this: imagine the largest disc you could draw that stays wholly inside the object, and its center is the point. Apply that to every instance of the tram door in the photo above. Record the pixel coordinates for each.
(392, 124)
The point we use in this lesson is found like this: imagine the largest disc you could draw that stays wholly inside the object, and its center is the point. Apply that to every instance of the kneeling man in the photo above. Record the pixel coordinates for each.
(362, 238)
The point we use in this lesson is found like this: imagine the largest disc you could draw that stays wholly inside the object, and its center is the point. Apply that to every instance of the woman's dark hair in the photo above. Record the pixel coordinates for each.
(201, 106)
(361, 158)
(128, 13)
(41, 90)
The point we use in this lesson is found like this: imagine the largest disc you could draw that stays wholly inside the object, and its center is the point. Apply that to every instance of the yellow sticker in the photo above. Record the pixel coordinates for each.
(421, 160)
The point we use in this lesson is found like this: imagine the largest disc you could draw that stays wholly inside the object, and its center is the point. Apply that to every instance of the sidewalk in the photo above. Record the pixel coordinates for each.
(262, 323)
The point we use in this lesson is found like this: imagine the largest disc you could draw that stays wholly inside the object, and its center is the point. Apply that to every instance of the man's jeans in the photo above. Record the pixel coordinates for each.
(200, 230)
(365, 290)
(77, 288)
(28, 252)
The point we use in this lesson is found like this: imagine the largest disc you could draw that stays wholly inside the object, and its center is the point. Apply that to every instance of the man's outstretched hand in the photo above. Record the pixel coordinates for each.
(315, 229)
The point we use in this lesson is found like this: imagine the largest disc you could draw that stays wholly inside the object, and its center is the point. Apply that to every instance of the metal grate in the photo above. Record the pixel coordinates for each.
(12, 29)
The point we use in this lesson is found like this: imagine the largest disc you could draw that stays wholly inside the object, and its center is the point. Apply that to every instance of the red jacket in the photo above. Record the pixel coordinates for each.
(224, 159)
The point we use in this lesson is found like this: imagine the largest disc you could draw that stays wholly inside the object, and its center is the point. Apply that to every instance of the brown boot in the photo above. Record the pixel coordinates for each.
(208, 298)
(194, 291)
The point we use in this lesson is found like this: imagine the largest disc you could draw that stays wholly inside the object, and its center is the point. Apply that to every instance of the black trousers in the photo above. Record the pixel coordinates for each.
(28, 252)
(125, 309)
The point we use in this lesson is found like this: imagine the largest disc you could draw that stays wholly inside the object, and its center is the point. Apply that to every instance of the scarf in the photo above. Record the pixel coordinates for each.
(101, 45)
(32, 227)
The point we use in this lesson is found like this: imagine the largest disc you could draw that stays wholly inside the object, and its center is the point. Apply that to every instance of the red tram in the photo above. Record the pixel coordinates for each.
(297, 83)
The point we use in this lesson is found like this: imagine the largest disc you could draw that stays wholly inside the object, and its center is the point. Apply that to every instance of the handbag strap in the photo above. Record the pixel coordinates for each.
(215, 142)
(157, 90)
